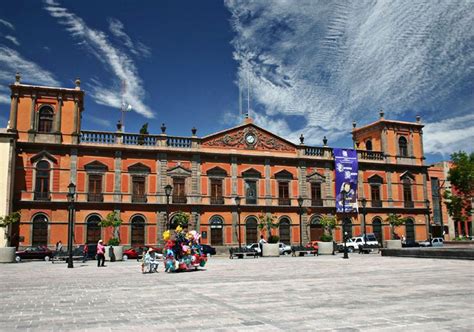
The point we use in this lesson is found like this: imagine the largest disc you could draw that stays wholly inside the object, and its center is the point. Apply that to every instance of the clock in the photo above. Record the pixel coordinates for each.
(250, 139)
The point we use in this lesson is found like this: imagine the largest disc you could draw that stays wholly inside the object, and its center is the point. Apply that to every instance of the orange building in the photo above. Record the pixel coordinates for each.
(127, 173)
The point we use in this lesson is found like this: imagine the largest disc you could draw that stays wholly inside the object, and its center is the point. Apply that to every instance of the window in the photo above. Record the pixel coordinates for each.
(285, 231)
(138, 187)
(216, 231)
(40, 231)
(407, 197)
(283, 193)
(216, 191)
(410, 230)
(403, 146)
(316, 197)
(251, 230)
(368, 145)
(179, 191)
(250, 192)
(95, 188)
(137, 231)
(42, 180)
(93, 229)
(375, 195)
(45, 124)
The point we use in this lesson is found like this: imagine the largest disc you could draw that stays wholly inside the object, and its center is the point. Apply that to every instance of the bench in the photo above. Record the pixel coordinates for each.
(242, 252)
(302, 251)
(368, 248)
(64, 256)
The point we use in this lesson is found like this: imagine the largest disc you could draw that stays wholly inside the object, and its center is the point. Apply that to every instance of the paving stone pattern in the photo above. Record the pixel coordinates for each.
(325, 293)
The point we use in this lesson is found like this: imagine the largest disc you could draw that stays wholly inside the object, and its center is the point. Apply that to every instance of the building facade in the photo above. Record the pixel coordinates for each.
(127, 173)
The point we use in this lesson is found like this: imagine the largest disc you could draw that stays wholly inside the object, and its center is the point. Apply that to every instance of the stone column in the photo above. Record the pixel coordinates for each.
(389, 189)
(57, 126)
(196, 179)
(268, 185)
(302, 179)
(118, 177)
(13, 112)
(32, 113)
(305, 225)
(329, 189)
(163, 176)
(73, 168)
(233, 174)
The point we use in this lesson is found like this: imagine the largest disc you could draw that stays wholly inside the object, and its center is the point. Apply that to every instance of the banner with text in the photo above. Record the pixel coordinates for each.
(346, 179)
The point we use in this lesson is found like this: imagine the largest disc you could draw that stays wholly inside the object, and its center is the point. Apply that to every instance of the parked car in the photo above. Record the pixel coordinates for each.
(40, 252)
(207, 249)
(410, 244)
(353, 243)
(133, 253)
(284, 248)
(254, 246)
(435, 242)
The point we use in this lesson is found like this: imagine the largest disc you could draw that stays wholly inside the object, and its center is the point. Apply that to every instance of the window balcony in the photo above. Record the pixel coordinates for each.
(217, 200)
(95, 197)
(41, 196)
(179, 199)
(376, 204)
(316, 202)
(284, 201)
(138, 198)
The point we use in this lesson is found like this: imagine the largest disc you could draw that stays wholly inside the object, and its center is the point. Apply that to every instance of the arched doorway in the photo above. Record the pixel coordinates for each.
(410, 230)
(93, 229)
(39, 236)
(217, 224)
(284, 228)
(377, 229)
(316, 230)
(251, 230)
(348, 227)
(137, 231)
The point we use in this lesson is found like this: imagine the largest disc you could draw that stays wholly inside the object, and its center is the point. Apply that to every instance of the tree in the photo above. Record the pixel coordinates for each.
(328, 222)
(461, 176)
(267, 221)
(394, 220)
(7, 221)
(181, 219)
(113, 220)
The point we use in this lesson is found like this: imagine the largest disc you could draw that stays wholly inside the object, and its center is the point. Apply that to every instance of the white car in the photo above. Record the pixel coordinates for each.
(284, 248)
(353, 243)
(254, 246)
(435, 242)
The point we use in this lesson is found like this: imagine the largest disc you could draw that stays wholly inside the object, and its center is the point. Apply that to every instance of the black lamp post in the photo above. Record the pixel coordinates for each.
(300, 204)
(70, 197)
(344, 193)
(237, 202)
(364, 204)
(428, 212)
(168, 191)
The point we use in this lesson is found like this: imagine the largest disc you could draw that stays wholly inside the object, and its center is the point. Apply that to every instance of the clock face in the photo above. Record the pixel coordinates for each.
(250, 139)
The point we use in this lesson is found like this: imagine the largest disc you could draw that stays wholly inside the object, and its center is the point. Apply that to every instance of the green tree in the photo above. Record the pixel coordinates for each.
(328, 222)
(267, 221)
(461, 176)
(113, 220)
(7, 221)
(181, 218)
(394, 220)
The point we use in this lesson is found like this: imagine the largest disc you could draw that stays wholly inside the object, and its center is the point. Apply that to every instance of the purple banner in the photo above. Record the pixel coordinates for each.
(346, 179)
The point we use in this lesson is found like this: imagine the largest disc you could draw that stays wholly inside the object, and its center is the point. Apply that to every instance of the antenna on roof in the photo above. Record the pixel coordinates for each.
(125, 107)
(240, 97)
(248, 94)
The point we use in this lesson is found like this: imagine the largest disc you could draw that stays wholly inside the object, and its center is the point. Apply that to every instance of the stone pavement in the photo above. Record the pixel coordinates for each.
(366, 293)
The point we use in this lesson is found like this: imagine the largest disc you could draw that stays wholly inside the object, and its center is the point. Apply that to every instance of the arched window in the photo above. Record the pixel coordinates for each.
(216, 230)
(93, 229)
(45, 124)
(377, 229)
(407, 195)
(410, 230)
(316, 229)
(251, 231)
(42, 180)
(39, 236)
(348, 227)
(403, 146)
(137, 232)
(284, 228)
(368, 145)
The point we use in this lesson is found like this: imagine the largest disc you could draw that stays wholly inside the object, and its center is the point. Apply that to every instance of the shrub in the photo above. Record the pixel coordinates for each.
(326, 238)
(114, 242)
(273, 239)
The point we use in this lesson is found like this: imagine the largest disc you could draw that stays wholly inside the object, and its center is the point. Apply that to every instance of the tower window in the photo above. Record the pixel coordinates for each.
(45, 124)
(403, 146)
(368, 145)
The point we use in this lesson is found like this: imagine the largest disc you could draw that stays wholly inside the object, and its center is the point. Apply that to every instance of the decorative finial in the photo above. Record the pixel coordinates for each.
(418, 118)
(381, 113)
(354, 124)
(194, 131)
(78, 83)
(325, 141)
(17, 78)
(301, 139)
(163, 128)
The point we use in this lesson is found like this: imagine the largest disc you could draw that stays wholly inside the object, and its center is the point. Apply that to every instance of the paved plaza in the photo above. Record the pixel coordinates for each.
(366, 293)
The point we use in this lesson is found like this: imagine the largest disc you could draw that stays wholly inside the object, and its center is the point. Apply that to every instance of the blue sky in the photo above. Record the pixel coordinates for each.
(312, 67)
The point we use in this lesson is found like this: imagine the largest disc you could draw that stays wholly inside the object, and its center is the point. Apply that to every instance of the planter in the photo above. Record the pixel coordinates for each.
(325, 248)
(393, 244)
(270, 250)
(7, 254)
(118, 251)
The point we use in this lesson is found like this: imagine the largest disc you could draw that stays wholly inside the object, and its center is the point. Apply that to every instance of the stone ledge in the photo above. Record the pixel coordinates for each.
(443, 253)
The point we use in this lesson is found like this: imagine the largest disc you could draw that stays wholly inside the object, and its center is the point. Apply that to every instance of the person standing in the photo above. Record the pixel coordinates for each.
(85, 253)
(100, 254)
(59, 246)
(260, 244)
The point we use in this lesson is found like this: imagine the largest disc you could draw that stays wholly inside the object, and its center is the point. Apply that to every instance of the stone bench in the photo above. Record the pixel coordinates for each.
(242, 253)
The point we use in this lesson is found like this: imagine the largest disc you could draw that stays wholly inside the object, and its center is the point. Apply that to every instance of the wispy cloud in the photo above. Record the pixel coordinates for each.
(99, 121)
(117, 29)
(7, 24)
(13, 40)
(332, 62)
(115, 60)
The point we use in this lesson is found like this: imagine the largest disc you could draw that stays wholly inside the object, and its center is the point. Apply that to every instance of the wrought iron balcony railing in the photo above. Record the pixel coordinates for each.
(179, 199)
(42, 196)
(217, 200)
(138, 198)
(95, 197)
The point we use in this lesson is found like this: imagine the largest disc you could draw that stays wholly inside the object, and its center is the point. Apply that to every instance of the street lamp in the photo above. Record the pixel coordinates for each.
(237, 202)
(300, 204)
(344, 193)
(168, 191)
(70, 197)
(427, 202)
(364, 204)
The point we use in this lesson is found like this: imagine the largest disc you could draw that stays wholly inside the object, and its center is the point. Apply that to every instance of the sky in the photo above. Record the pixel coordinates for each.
(309, 67)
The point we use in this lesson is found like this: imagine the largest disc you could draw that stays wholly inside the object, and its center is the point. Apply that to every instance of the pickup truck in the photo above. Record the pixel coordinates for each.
(353, 243)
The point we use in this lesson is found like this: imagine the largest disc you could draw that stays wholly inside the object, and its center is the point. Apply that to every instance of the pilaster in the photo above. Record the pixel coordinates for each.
(268, 187)
(233, 175)
(13, 112)
(73, 168)
(196, 178)
(389, 189)
(57, 126)
(32, 112)
(118, 176)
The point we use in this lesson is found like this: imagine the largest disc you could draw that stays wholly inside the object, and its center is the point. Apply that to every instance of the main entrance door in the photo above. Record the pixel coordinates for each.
(216, 231)
(315, 229)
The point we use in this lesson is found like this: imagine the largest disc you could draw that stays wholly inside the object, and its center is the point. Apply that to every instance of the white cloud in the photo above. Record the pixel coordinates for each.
(99, 121)
(13, 40)
(332, 62)
(115, 60)
(7, 24)
(117, 29)
(5, 99)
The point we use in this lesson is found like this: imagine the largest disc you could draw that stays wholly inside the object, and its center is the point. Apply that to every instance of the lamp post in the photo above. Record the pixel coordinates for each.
(70, 197)
(237, 202)
(427, 202)
(300, 204)
(344, 193)
(364, 204)
(168, 191)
